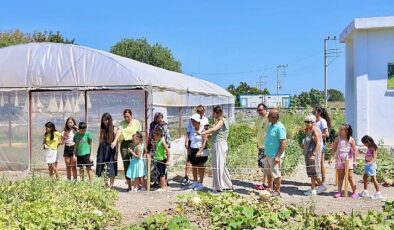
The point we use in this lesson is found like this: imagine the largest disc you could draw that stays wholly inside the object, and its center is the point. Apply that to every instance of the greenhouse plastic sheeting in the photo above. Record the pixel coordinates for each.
(48, 65)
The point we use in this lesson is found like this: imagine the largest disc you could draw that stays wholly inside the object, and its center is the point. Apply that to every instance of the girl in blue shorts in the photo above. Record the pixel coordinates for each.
(370, 167)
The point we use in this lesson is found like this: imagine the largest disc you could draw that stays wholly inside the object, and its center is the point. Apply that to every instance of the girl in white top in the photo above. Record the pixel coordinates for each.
(198, 152)
(323, 122)
(70, 128)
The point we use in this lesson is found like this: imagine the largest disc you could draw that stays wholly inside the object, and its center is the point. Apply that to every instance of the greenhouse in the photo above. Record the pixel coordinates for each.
(42, 82)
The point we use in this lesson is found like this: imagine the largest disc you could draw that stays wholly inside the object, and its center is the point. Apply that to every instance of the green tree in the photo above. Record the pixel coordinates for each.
(140, 50)
(307, 99)
(15, 37)
(335, 95)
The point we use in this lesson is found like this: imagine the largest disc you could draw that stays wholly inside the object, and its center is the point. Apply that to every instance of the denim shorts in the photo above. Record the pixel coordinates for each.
(370, 169)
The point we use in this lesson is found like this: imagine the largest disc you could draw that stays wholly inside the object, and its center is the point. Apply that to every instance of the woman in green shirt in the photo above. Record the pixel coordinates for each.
(220, 173)
(127, 128)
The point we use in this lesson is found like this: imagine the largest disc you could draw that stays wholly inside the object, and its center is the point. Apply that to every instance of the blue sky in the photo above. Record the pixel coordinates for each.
(221, 41)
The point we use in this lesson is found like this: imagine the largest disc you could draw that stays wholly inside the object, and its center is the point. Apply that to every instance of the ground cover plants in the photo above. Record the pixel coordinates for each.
(45, 203)
(233, 211)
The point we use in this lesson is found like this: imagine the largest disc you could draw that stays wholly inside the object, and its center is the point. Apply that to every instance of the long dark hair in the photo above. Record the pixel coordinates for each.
(368, 141)
(50, 125)
(349, 129)
(66, 128)
(106, 132)
(324, 114)
(127, 111)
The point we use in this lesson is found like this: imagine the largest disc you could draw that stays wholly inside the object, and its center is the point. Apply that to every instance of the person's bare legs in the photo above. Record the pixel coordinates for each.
(90, 173)
(352, 180)
(201, 173)
(81, 173)
(341, 176)
(277, 184)
(375, 183)
(67, 160)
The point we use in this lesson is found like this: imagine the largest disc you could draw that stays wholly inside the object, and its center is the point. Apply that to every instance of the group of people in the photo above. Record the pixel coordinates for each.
(127, 139)
(271, 137)
(271, 144)
(78, 145)
(196, 140)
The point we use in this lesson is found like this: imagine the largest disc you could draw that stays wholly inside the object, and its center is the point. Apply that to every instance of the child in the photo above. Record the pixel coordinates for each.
(345, 148)
(83, 149)
(162, 157)
(137, 169)
(52, 139)
(370, 167)
(70, 128)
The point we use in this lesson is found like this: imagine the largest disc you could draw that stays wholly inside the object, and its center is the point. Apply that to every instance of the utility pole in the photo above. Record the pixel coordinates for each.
(328, 53)
(277, 76)
(261, 83)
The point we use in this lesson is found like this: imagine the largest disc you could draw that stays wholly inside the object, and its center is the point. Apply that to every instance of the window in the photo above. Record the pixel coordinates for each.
(390, 76)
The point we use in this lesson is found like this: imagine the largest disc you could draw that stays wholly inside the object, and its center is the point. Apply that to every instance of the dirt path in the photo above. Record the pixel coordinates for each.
(135, 206)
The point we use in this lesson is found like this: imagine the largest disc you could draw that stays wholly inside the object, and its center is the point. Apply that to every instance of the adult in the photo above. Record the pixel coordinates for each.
(106, 153)
(204, 122)
(323, 122)
(127, 128)
(312, 153)
(220, 173)
(261, 128)
(157, 123)
(70, 128)
(275, 144)
(198, 153)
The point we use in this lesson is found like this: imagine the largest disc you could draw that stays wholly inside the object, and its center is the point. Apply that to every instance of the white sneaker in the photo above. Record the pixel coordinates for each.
(377, 196)
(310, 192)
(198, 187)
(321, 189)
(364, 194)
(186, 182)
(192, 186)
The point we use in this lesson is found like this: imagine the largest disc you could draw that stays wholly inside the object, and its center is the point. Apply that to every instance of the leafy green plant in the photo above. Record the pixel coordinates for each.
(45, 203)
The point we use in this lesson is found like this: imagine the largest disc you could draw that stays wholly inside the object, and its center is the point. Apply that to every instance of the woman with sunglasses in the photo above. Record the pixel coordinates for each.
(312, 153)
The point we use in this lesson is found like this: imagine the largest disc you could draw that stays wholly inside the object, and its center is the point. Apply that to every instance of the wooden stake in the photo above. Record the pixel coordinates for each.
(148, 173)
(336, 177)
(346, 178)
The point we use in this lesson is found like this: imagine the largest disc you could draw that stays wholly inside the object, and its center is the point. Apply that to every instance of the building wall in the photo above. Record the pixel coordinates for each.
(374, 104)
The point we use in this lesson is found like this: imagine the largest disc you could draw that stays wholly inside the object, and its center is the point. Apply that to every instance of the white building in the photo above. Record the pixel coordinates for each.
(369, 77)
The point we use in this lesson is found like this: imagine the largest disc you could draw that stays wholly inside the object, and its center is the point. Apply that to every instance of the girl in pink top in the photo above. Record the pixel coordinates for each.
(370, 167)
(345, 148)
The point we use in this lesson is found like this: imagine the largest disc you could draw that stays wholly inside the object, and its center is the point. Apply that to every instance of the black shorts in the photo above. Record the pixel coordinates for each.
(162, 167)
(84, 161)
(196, 160)
(68, 151)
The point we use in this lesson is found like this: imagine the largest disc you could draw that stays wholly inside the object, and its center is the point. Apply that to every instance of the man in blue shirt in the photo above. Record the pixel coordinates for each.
(275, 144)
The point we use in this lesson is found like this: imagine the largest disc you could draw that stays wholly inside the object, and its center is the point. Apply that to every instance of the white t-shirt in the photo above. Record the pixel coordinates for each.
(196, 140)
(322, 124)
(68, 137)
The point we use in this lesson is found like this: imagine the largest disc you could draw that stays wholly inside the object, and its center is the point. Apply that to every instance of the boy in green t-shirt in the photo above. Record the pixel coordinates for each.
(82, 150)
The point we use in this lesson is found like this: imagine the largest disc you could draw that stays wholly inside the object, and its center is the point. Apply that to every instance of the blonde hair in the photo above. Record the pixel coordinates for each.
(310, 118)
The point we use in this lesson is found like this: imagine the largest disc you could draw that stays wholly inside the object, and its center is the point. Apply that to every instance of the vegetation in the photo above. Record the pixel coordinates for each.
(44, 203)
(315, 97)
(18, 37)
(233, 211)
(140, 50)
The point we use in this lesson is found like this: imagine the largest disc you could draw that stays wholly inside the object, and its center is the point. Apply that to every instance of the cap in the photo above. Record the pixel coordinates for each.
(196, 117)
